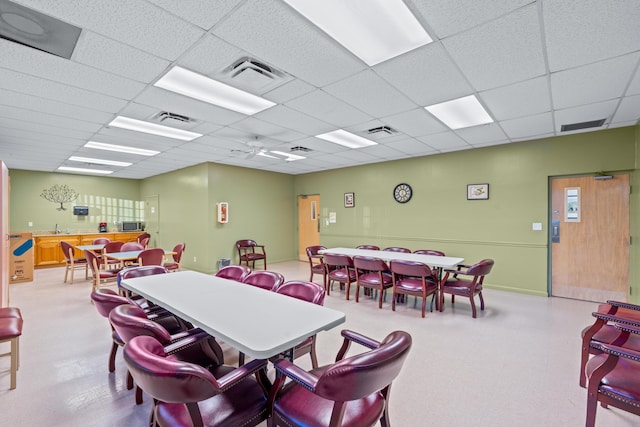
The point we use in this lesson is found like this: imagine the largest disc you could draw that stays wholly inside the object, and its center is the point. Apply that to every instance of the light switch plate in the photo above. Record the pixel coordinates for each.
(537, 226)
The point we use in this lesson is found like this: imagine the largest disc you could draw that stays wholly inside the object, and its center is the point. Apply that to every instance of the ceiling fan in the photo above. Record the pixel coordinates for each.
(256, 147)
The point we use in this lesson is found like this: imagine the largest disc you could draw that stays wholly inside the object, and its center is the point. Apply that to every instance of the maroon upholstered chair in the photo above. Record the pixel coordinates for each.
(144, 242)
(138, 271)
(71, 262)
(264, 279)
(353, 391)
(101, 241)
(234, 272)
(141, 237)
(110, 248)
(429, 252)
(310, 292)
(316, 264)
(99, 275)
(177, 256)
(467, 287)
(187, 394)
(397, 249)
(339, 269)
(10, 331)
(372, 273)
(369, 247)
(154, 256)
(603, 331)
(613, 377)
(412, 278)
(250, 252)
(131, 246)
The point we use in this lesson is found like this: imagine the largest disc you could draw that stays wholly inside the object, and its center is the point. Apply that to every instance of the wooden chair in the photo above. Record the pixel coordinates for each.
(339, 269)
(250, 252)
(372, 273)
(412, 278)
(369, 247)
(72, 263)
(154, 256)
(177, 256)
(234, 272)
(316, 264)
(99, 275)
(469, 287)
(397, 249)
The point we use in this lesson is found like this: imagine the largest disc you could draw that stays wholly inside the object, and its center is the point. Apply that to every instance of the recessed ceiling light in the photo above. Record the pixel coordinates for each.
(347, 139)
(120, 148)
(461, 113)
(98, 161)
(83, 170)
(289, 157)
(203, 88)
(154, 129)
(373, 30)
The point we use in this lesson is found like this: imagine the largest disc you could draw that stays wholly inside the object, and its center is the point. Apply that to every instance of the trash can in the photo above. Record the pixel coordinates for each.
(20, 257)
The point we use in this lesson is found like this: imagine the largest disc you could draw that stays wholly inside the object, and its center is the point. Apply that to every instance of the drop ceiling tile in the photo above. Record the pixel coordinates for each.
(285, 40)
(415, 123)
(139, 24)
(252, 126)
(534, 137)
(504, 51)
(289, 91)
(413, 147)
(329, 109)
(210, 55)
(118, 58)
(292, 119)
(581, 32)
(444, 141)
(371, 94)
(622, 124)
(629, 110)
(200, 12)
(634, 86)
(118, 136)
(47, 119)
(605, 80)
(482, 134)
(425, 75)
(40, 128)
(529, 126)
(34, 139)
(518, 99)
(448, 18)
(585, 113)
(384, 152)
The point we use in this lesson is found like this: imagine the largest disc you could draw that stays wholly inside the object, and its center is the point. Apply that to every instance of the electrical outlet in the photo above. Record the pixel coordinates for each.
(195, 259)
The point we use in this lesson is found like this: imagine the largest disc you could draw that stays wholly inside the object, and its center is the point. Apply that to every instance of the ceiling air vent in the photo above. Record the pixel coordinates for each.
(299, 148)
(382, 129)
(582, 125)
(254, 75)
(165, 115)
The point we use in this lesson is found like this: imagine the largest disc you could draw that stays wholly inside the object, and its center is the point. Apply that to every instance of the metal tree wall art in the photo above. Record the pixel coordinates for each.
(59, 194)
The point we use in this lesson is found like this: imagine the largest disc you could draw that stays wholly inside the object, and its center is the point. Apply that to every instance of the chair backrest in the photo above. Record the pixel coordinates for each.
(337, 260)
(143, 236)
(154, 256)
(312, 251)
(300, 289)
(131, 321)
(67, 250)
(131, 246)
(178, 249)
(409, 268)
(112, 247)
(144, 242)
(397, 249)
(101, 241)
(369, 263)
(264, 279)
(106, 300)
(429, 252)
(245, 243)
(140, 271)
(367, 372)
(234, 272)
(93, 261)
(164, 377)
(369, 247)
(481, 268)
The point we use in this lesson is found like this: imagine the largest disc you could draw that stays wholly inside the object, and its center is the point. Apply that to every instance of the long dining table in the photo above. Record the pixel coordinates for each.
(439, 263)
(257, 322)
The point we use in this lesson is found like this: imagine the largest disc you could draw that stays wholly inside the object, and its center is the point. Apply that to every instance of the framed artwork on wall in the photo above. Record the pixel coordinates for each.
(349, 200)
(477, 191)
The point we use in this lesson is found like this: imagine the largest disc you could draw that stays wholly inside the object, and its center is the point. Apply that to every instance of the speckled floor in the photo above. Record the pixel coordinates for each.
(516, 365)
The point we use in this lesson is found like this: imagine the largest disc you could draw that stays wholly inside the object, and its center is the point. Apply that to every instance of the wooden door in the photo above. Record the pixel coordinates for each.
(308, 224)
(589, 238)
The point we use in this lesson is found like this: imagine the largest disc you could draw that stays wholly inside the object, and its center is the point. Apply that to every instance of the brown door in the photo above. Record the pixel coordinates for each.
(308, 224)
(590, 238)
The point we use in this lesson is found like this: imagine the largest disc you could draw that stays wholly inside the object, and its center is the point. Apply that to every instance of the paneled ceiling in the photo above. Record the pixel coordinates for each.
(534, 66)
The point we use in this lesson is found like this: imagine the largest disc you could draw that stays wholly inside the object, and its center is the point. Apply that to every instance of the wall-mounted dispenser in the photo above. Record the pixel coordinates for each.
(223, 212)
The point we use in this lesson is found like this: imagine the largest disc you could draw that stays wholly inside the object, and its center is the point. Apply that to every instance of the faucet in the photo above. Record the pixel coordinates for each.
(57, 229)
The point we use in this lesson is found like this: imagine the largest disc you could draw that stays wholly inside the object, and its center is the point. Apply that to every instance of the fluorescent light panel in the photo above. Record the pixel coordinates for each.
(98, 161)
(373, 30)
(83, 170)
(461, 113)
(203, 88)
(154, 129)
(289, 157)
(120, 148)
(346, 139)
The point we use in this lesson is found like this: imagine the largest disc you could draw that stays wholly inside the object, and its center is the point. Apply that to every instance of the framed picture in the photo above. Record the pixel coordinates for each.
(477, 191)
(349, 200)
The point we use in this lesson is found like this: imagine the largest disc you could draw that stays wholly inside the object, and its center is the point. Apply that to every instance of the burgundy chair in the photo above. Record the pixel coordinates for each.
(154, 256)
(372, 273)
(99, 275)
(144, 242)
(466, 287)
(264, 279)
(187, 394)
(316, 263)
(100, 241)
(177, 256)
(369, 247)
(339, 269)
(10, 331)
(141, 238)
(250, 252)
(613, 377)
(310, 292)
(429, 252)
(397, 249)
(412, 278)
(137, 271)
(71, 262)
(603, 331)
(110, 248)
(353, 391)
(234, 272)
(131, 246)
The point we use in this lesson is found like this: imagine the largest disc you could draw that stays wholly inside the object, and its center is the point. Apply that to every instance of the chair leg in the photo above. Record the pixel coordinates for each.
(129, 380)
(15, 362)
(481, 301)
(66, 272)
(314, 357)
(424, 305)
(138, 395)
(393, 300)
(112, 357)
(380, 298)
(473, 306)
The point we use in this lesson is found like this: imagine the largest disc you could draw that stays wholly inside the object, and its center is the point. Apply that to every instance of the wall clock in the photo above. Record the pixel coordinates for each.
(402, 193)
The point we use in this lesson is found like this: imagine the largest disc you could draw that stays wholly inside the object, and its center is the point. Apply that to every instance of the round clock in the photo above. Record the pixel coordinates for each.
(402, 193)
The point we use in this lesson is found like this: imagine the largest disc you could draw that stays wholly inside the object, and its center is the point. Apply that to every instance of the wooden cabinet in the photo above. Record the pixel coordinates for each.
(49, 254)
